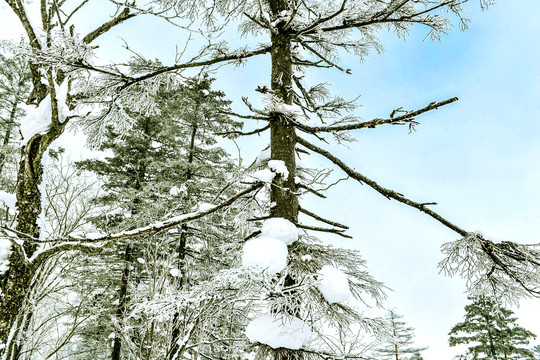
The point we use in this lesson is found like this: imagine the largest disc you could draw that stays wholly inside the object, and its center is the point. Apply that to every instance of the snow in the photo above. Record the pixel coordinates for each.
(274, 167)
(306, 258)
(94, 236)
(175, 272)
(334, 285)
(141, 261)
(205, 92)
(266, 253)
(264, 175)
(206, 207)
(9, 199)
(174, 191)
(279, 332)
(38, 119)
(280, 229)
(278, 166)
(263, 156)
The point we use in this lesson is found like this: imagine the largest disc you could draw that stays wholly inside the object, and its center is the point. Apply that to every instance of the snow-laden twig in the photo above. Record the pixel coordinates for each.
(506, 269)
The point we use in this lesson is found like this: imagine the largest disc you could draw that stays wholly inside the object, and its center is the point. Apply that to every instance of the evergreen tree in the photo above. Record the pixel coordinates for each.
(401, 340)
(14, 89)
(494, 329)
(166, 163)
(536, 351)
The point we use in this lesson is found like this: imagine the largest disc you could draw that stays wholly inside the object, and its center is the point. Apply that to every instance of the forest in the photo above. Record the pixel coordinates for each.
(191, 225)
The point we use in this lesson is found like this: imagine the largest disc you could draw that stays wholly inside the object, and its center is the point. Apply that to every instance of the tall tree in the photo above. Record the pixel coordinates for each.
(492, 326)
(401, 340)
(166, 162)
(14, 89)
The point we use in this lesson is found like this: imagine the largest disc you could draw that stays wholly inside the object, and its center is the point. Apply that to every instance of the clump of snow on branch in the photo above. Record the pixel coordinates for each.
(38, 119)
(9, 199)
(504, 269)
(273, 104)
(275, 167)
(175, 272)
(278, 166)
(264, 175)
(263, 156)
(265, 253)
(281, 229)
(334, 284)
(279, 331)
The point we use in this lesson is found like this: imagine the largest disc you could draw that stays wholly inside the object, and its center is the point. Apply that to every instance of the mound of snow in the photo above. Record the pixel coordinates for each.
(334, 284)
(277, 332)
(281, 229)
(175, 272)
(266, 253)
(264, 175)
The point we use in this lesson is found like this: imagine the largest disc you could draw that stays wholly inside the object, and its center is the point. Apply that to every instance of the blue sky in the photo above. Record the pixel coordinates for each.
(479, 158)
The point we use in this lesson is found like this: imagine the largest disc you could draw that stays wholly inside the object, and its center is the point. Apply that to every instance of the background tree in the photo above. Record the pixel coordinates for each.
(494, 328)
(14, 89)
(165, 163)
(401, 339)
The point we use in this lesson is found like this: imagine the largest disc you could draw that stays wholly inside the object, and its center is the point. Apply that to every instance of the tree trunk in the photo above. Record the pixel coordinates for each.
(175, 335)
(282, 132)
(16, 281)
(122, 302)
(283, 194)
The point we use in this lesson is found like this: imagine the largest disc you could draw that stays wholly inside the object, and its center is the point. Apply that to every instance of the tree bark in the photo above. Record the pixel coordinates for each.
(282, 132)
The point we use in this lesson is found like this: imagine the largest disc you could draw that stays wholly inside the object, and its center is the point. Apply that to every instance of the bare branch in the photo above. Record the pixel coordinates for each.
(236, 132)
(313, 191)
(387, 193)
(320, 218)
(339, 232)
(123, 16)
(251, 117)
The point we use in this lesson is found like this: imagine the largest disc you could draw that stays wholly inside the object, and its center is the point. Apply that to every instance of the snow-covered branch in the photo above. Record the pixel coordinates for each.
(77, 243)
(408, 118)
(504, 269)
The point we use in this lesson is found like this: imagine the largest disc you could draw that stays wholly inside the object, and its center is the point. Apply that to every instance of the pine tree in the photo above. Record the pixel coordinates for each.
(14, 89)
(492, 326)
(165, 163)
(402, 339)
